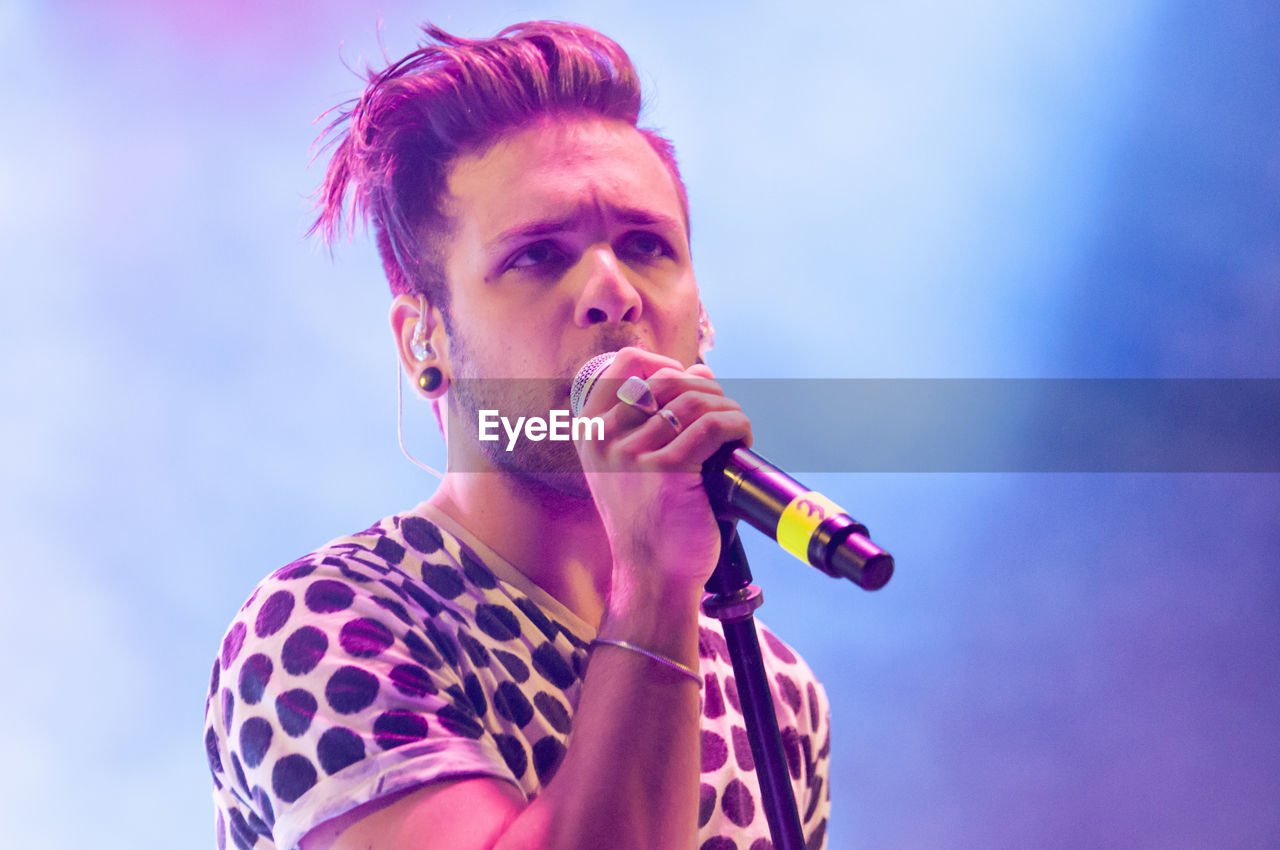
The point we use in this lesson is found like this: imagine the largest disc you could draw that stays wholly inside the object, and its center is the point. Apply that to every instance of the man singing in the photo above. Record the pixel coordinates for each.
(519, 661)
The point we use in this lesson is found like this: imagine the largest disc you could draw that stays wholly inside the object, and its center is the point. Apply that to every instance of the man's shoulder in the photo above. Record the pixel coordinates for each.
(403, 563)
(334, 665)
(403, 578)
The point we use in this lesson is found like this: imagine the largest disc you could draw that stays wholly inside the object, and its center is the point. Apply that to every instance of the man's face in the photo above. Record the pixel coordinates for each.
(569, 240)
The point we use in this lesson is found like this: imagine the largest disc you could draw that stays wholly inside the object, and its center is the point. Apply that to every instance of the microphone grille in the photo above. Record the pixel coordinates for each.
(586, 379)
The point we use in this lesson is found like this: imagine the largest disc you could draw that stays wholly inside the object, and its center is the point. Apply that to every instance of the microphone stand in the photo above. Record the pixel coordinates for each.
(732, 600)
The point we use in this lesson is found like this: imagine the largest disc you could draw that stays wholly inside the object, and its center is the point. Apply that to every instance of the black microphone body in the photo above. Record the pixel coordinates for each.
(743, 485)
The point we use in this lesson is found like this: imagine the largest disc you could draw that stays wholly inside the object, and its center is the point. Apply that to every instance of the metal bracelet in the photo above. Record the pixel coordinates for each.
(661, 659)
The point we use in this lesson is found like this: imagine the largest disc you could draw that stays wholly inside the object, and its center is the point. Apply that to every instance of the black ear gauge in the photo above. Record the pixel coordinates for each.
(429, 379)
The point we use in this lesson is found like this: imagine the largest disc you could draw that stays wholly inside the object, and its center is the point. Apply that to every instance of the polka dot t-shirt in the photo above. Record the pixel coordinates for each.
(411, 652)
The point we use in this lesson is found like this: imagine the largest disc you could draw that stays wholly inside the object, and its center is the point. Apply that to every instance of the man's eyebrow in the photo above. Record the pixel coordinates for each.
(536, 227)
(546, 226)
(635, 215)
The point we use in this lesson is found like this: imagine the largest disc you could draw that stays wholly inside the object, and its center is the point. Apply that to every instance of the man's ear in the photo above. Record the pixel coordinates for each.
(418, 328)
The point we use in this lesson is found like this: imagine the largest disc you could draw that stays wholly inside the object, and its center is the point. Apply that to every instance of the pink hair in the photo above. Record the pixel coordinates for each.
(396, 143)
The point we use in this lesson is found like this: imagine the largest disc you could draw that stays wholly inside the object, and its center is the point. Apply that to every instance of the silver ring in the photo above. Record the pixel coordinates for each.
(671, 419)
(637, 393)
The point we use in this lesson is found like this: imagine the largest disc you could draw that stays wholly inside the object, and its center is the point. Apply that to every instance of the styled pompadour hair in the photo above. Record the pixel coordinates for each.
(394, 145)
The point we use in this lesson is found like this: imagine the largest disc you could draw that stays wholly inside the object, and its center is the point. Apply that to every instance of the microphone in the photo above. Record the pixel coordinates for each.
(743, 485)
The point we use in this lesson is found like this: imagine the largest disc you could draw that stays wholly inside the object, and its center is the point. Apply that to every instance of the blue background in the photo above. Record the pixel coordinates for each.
(194, 395)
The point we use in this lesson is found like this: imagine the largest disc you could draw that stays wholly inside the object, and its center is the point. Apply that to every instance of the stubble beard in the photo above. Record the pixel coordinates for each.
(546, 467)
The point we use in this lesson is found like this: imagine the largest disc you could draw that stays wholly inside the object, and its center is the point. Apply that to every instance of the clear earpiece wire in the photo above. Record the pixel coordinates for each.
(400, 422)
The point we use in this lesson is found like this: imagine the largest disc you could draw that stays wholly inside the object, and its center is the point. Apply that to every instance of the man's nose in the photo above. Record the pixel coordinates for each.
(607, 294)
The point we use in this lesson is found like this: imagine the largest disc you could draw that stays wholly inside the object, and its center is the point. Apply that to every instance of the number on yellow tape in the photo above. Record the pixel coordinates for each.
(801, 518)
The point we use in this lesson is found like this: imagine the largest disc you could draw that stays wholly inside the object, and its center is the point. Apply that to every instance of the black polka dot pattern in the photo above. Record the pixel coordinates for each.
(399, 652)
(443, 579)
(303, 650)
(511, 703)
(273, 614)
(497, 622)
(554, 711)
(539, 619)
(547, 754)
(513, 753)
(715, 752)
(412, 681)
(255, 737)
(786, 688)
(365, 638)
(339, 747)
(397, 728)
(326, 596)
(474, 692)
(421, 535)
(443, 643)
(706, 803)
(712, 698)
(231, 644)
(254, 674)
(476, 572)
(242, 835)
(513, 664)
(295, 710)
(474, 649)
(351, 689)
(742, 749)
(421, 652)
(548, 661)
(291, 777)
(211, 751)
(388, 550)
(458, 722)
(738, 804)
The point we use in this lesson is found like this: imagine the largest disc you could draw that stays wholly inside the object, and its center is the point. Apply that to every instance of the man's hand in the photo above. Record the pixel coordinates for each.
(646, 477)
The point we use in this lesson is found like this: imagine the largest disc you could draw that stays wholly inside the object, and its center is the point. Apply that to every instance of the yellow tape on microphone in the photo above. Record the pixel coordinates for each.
(801, 518)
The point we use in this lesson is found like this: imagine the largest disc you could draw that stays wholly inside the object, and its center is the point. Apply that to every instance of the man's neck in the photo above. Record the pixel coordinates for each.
(555, 539)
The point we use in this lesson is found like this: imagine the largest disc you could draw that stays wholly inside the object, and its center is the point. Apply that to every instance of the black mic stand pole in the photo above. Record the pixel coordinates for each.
(732, 600)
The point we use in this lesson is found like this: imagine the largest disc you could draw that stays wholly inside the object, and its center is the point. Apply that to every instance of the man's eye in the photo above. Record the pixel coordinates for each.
(537, 254)
(644, 245)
